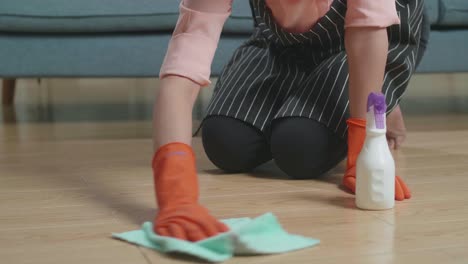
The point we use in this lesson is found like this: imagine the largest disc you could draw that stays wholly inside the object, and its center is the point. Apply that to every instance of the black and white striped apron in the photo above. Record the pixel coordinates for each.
(278, 74)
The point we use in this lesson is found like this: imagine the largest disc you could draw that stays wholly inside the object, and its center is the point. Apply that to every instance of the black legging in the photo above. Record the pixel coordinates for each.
(301, 147)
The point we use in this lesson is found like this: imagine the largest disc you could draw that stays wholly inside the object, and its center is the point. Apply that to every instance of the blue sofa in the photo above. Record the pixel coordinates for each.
(121, 38)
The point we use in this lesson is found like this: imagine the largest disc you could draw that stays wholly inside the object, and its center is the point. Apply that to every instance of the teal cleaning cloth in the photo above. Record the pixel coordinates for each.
(261, 235)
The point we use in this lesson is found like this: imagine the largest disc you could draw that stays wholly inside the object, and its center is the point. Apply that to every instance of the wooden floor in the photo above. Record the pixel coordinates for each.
(73, 170)
(65, 187)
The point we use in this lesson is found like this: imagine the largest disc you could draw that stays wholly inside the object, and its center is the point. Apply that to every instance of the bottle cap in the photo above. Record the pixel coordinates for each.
(376, 102)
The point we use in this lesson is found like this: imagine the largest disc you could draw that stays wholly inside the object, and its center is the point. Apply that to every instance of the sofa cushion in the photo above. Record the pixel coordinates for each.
(432, 8)
(86, 16)
(453, 13)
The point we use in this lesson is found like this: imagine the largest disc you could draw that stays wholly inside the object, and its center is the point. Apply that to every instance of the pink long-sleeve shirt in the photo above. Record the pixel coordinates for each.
(196, 35)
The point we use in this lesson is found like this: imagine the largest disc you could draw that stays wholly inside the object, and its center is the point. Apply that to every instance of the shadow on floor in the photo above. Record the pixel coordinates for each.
(271, 172)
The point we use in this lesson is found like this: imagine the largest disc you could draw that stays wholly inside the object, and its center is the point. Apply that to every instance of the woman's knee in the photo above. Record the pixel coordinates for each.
(233, 145)
(302, 148)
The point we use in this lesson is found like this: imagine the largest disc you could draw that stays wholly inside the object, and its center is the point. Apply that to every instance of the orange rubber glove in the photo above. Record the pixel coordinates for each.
(175, 178)
(356, 137)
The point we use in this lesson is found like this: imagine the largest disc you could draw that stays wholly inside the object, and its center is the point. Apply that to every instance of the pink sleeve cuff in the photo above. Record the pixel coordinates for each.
(193, 45)
(371, 13)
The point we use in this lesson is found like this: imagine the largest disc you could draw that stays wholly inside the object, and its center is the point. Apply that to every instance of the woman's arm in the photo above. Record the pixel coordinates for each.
(366, 48)
(366, 43)
(172, 111)
(185, 69)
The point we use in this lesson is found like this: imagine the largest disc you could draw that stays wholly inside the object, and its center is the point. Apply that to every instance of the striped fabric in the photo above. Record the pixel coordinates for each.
(278, 74)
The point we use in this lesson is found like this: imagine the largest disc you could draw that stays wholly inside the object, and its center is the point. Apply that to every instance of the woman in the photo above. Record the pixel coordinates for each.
(295, 92)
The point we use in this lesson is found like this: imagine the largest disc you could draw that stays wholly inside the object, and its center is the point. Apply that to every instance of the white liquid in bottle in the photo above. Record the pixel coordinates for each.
(375, 167)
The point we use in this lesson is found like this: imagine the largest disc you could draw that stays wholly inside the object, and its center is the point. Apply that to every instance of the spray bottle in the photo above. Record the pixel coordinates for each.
(375, 167)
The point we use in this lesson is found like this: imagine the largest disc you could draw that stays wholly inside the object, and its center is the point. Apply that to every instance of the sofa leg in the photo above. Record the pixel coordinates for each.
(8, 91)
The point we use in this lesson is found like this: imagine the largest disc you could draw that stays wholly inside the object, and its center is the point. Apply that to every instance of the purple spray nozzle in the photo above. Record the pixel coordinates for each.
(377, 101)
